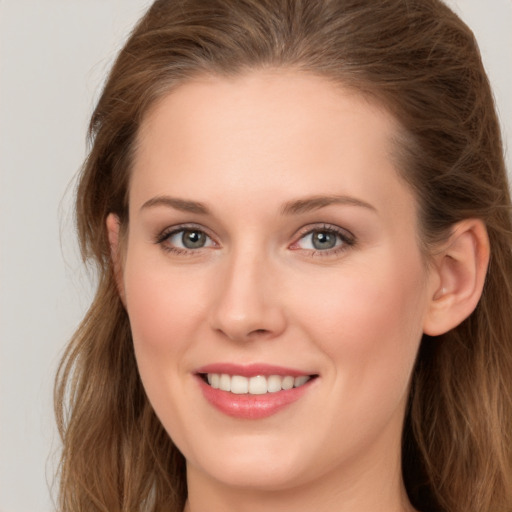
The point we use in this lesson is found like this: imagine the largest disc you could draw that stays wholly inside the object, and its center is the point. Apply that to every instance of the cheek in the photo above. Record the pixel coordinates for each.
(163, 310)
(162, 306)
(369, 323)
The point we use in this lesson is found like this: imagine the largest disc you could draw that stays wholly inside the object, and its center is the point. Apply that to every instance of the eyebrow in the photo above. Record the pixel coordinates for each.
(316, 202)
(295, 207)
(183, 205)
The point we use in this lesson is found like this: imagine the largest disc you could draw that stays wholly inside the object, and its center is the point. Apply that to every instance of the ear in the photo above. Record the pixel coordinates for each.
(113, 231)
(460, 269)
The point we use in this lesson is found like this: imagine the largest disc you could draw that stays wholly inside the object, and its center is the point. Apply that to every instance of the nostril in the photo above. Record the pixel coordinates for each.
(259, 331)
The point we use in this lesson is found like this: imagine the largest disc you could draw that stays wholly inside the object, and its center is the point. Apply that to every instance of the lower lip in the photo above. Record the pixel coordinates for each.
(251, 407)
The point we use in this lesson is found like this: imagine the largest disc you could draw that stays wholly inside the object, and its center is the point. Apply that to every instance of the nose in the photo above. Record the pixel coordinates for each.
(248, 301)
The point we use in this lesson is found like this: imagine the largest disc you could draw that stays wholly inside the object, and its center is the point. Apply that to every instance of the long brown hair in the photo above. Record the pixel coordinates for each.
(420, 61)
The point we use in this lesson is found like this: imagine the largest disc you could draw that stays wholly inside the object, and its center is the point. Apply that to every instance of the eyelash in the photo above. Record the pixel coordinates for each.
(347, 239)
(165, 235)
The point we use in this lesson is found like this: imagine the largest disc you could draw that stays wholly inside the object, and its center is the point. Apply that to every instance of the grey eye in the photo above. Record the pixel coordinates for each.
(322, 240)
(193, 239)
(189, 239)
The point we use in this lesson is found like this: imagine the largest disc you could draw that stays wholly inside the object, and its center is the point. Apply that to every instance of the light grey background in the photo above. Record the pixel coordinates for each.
(54, 55)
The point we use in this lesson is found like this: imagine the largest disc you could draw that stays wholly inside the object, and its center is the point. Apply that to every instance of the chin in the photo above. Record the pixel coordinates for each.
(270, 475)
(255, 465)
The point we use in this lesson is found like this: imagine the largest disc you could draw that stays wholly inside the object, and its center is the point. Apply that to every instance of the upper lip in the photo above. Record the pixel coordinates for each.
(251, 370)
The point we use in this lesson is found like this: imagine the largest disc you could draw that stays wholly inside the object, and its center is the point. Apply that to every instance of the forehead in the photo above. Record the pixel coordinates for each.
(263, 99)
(280, 130)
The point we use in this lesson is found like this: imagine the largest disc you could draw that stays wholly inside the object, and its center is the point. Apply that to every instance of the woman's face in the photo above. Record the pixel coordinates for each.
(271, 243)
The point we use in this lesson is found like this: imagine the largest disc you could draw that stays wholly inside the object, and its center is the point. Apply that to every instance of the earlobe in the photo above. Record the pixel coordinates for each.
(113, 231)
(461, 267)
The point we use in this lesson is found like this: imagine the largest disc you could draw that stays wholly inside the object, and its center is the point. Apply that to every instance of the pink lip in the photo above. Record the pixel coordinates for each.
(251, 370)
(250, 406)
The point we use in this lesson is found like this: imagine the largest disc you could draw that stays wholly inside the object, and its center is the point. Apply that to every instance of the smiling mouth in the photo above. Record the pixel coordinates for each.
(257, 385)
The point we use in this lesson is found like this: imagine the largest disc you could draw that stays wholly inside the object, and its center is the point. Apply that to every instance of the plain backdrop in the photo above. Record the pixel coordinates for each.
(54, 55)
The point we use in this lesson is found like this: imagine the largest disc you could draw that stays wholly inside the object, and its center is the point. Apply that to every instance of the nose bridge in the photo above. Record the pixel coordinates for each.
(247, 304)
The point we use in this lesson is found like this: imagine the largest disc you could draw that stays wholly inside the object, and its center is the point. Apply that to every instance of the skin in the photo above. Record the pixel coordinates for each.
(258, 291)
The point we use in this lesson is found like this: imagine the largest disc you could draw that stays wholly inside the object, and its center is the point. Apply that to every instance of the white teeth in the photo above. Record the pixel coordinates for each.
(258, 385)
(214, 380)
(239, 385)
(287, 382)
(225, 382)
(300, 381)
(274, 383)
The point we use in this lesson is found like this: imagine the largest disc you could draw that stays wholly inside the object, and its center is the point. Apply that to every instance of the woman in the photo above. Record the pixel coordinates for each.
(300, 217)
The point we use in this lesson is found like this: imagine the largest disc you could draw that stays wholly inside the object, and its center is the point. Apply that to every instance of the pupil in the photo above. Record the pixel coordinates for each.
(193, 239)
(324, 240)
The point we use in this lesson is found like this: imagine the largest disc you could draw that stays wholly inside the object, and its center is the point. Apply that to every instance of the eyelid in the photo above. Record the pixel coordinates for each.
(166, 233)
(324, 226)
(348, 238)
